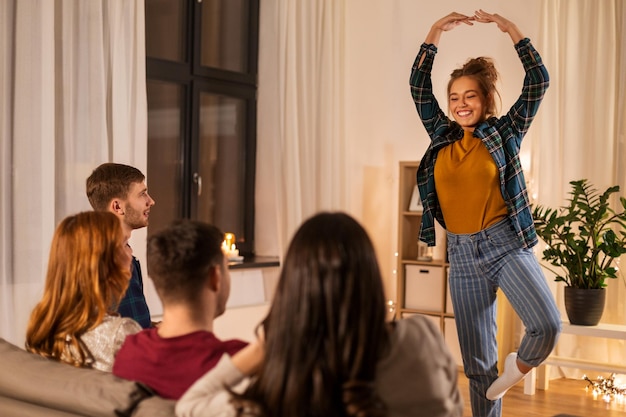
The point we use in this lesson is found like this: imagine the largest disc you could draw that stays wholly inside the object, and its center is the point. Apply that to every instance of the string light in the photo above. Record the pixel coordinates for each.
(391, 304)
(607, 389)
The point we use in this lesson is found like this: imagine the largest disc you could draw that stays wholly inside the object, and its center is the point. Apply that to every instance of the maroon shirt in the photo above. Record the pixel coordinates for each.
(170, 365)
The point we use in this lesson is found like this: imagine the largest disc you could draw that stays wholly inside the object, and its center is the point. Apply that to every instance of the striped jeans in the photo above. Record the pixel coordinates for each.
(479, 264)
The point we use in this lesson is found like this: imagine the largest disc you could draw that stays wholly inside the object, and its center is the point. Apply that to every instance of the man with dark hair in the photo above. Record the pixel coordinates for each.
(121, 189)
(191, 277)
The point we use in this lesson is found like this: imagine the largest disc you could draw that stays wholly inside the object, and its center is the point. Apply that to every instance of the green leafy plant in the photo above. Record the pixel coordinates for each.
(585, 237)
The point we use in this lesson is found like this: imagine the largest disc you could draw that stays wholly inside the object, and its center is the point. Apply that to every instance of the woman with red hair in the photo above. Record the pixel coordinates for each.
(88, 273)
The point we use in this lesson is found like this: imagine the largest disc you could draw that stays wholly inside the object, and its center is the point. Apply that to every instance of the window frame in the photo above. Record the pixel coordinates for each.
(196, 79)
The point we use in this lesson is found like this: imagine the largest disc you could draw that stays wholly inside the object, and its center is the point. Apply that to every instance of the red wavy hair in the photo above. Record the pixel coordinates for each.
(88, 274)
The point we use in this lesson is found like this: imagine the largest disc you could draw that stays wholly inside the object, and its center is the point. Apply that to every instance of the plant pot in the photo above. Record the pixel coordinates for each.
(584, 306)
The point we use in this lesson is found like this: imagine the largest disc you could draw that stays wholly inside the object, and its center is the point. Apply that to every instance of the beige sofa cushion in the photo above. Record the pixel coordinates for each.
(64, 389)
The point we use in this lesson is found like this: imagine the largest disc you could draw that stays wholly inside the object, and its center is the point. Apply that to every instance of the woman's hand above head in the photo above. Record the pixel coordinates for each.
(503, 23)
(446, 24)
(453, 20)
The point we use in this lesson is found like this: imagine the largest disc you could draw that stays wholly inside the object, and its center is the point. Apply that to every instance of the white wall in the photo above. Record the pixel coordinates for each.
(251, 291)
(381, 125)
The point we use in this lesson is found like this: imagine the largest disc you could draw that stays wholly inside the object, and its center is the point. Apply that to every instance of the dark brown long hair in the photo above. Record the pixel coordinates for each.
(326, 330)
(88, 274)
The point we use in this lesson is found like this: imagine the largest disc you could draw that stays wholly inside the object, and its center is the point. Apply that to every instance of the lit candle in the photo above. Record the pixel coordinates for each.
(229, 239)
(229, 247)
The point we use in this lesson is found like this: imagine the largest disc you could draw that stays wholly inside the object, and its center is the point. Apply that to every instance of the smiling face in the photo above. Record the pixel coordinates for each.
(137, 206)
(466, 102)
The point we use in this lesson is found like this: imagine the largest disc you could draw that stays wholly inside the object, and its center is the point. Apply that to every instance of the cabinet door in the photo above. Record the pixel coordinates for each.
(452, 339)
(424, 287)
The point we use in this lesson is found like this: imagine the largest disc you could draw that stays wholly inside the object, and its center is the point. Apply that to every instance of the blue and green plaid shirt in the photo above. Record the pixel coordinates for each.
(134, 304)
(502, 137)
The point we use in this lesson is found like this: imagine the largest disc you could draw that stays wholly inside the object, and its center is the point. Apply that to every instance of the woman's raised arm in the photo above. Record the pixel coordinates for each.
(504, 24)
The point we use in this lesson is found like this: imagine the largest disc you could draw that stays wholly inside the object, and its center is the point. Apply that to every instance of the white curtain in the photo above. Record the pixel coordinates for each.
(72, 75)
(581, 130)
(300, 148)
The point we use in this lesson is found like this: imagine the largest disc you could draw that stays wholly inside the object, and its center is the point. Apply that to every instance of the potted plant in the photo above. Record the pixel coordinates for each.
(584, 239)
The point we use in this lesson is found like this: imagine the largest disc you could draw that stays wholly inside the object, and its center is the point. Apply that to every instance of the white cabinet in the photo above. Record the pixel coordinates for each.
(452, 339)
(424, 287)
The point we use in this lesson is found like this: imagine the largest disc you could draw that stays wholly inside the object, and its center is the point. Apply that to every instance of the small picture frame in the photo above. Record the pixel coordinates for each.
(416, 202)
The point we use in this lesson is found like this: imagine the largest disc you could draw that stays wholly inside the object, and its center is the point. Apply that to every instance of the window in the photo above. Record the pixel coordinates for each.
(201, 83)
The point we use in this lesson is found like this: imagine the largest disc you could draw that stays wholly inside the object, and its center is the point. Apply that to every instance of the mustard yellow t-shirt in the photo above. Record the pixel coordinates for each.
(468, 186)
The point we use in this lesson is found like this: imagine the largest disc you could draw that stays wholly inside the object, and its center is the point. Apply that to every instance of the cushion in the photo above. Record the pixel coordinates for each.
(155, 407)
(58, 386)
(10, 407)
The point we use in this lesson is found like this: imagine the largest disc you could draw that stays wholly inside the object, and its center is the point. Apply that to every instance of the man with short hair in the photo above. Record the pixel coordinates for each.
(121, 189)
(191, 276)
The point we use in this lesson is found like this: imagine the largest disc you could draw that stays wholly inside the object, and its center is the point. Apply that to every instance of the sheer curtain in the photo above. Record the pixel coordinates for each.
(581, 131)
(300, 145)
(73, 96)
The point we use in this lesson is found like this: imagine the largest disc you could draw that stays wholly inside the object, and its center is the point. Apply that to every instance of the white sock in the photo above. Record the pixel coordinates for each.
(510, 376)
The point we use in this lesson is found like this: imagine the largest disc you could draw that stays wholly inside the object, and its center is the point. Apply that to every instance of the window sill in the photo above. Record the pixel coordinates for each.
(250, 262)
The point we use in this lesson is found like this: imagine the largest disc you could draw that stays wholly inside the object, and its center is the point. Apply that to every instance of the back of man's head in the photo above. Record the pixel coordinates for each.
(109, 181)
(180, 258)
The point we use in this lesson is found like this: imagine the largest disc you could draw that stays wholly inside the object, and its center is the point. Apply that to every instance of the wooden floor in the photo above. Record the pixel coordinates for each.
(564, 398)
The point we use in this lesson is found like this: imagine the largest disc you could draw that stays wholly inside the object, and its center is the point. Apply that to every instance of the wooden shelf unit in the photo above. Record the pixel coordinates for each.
(427, 282)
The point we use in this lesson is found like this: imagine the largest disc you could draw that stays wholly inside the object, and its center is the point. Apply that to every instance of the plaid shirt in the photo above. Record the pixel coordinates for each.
(134, 304)
(502, 137)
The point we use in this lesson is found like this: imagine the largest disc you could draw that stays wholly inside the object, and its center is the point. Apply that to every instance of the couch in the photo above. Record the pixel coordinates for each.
(33, 386)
